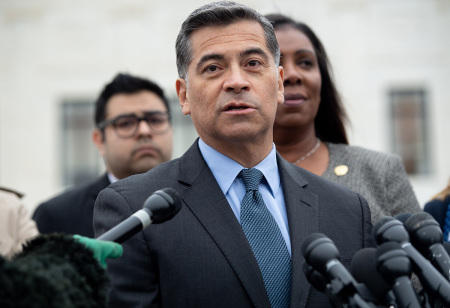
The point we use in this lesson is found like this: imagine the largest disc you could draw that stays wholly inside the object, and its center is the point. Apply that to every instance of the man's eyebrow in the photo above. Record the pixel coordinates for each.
(253, 51)
(205, 58)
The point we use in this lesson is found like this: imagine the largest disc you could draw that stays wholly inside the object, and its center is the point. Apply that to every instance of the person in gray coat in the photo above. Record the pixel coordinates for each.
(309, 128)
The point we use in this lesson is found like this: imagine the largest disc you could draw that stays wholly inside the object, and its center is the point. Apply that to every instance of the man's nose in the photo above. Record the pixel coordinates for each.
(143, 129)
(236, 80)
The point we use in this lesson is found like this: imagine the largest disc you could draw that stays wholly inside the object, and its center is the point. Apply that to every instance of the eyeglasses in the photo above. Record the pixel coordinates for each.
(126, 126)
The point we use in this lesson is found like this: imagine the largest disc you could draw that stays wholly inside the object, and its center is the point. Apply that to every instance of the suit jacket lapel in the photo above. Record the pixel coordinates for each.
(220, 222)
(215, 214)
(302, 210)
(97, 186)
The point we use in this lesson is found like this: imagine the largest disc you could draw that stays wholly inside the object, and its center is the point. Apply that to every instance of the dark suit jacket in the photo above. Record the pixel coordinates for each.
(438, 209)
(201, 258)
(71, 212)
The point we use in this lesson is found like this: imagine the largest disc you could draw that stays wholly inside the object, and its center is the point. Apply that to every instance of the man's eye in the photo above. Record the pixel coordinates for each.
(254, 63)
(156, 120)
(211, 68)
(124, 123)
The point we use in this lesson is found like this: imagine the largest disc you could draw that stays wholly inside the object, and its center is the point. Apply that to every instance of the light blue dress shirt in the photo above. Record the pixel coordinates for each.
(226, 170)
(112, 178)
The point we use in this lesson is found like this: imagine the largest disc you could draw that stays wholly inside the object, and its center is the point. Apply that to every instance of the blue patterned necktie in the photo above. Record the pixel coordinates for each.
(266, 241)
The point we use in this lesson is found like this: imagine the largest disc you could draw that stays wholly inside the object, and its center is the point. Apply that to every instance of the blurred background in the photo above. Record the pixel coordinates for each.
(391, 61)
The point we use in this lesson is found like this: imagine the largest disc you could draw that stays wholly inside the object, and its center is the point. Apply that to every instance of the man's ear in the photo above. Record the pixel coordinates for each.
(182, 95)
(280, 85)
(97, 139)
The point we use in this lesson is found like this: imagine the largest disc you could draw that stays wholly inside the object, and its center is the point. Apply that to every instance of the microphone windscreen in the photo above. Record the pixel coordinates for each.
(403, 217)
(424, 231)
(386, 247)
(310, 239)
(318, 250)
(364, 270)
(380, 223)
(164, 205)
(414, 221)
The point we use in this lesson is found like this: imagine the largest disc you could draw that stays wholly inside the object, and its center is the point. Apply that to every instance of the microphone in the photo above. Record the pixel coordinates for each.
(394, 265)
(403, 217)
(426, 236)
(446, 247)
(161, 206)
(316, 279)
(322, 255)
(364, 269)
(390, 229)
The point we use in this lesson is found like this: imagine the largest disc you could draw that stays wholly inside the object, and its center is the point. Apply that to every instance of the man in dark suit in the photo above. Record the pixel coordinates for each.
(127, 144)
(230, 84)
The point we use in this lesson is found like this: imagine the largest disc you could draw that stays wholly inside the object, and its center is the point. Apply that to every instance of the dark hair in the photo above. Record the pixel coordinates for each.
(219, 14)
(331, 117)
(125, 84)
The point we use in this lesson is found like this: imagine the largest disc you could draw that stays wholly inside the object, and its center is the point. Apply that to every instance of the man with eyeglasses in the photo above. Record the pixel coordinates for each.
(133, 135)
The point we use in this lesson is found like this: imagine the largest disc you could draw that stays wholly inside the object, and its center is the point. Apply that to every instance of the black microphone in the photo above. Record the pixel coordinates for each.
(426, 236)
(446, 247)
(161, 206)
(390, 229)
(316, 279)
(321, 283)
(364, 269)
(322, 255)
(403, 217)
(394, 265)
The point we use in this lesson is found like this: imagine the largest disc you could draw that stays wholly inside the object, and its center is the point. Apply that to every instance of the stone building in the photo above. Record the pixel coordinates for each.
(391, 61)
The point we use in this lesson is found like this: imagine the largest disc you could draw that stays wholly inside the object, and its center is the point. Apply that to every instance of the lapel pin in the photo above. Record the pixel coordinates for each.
(341, 170)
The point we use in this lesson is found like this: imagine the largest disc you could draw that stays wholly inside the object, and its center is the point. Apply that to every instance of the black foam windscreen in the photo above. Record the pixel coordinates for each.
(389, 229)
(318, 250)
(403, 217)
(424, 231)
(380, 223)
(310, 239)
(413, 222)
(164, 204)
(364, 270)
(386, 247)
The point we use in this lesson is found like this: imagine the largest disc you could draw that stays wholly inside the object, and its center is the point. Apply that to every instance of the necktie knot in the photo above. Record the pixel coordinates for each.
(251, 178)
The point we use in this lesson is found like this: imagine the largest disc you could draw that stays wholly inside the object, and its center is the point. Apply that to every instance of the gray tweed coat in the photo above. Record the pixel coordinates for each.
(379, 177)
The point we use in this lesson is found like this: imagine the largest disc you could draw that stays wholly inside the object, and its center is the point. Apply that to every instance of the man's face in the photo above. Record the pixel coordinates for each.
(137, 154)
(233, 86)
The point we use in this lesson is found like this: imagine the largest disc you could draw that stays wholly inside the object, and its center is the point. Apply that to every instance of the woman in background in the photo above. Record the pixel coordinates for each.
(309, 128)
(439, 208)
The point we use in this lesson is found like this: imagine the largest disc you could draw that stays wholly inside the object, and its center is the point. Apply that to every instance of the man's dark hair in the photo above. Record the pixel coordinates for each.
(125, 84)
(331, 116)
(220, 13)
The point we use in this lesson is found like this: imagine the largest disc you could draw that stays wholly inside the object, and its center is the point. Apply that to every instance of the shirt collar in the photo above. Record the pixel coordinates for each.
(225, 170)
(112, 178)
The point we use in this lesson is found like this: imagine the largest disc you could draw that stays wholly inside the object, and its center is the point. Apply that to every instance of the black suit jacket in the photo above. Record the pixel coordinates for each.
(438, 209)
(71, 212)
(201, 258)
